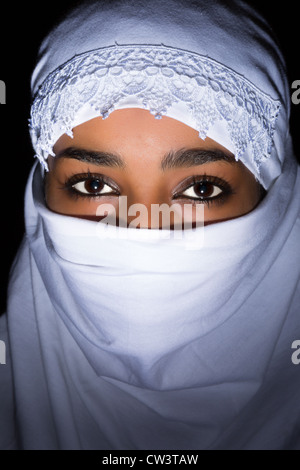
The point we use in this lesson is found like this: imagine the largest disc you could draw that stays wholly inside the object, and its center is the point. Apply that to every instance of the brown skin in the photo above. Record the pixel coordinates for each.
(142, 141)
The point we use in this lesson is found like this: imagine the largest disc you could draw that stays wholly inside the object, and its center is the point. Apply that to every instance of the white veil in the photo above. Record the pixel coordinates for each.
(117, 343)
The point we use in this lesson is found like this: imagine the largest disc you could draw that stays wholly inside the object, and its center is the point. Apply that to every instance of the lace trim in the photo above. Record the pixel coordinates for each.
(158, 76)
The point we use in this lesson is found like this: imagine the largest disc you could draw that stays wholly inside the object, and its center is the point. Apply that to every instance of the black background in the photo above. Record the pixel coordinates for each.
(23, 26)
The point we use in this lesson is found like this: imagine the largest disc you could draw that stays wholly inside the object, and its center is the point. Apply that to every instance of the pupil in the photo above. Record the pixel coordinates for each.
(93, 186)
(204, 189)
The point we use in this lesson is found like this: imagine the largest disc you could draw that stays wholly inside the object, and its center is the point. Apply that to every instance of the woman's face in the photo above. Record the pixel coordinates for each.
(150, 162)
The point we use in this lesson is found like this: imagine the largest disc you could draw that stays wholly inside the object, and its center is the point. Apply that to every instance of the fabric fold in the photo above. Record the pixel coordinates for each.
(125, 339)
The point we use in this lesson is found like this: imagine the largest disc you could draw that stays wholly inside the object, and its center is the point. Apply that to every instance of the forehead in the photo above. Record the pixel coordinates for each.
(135, 132)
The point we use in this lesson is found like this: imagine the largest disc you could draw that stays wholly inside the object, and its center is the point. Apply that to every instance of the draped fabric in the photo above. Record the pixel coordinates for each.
(135, 339)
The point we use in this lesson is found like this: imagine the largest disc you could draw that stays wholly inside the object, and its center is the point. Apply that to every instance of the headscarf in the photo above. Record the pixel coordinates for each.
(146, 341)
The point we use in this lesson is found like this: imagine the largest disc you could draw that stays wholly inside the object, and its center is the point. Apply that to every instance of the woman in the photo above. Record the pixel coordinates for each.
(157, 338)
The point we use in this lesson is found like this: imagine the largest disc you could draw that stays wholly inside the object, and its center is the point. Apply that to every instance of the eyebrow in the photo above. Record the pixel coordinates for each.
(186, 158)
(183, 158)
(92, 156)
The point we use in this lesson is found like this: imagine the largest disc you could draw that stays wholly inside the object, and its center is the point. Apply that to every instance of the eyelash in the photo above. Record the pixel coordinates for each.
(223, 185)
(83, 177)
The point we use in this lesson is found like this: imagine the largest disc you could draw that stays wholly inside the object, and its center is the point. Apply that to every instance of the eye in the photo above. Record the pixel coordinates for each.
(202, 190)
(93, 187)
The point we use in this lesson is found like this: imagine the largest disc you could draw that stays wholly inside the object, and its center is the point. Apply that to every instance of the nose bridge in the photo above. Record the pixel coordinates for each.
(142, 194)
(147, 213)
(139, 210)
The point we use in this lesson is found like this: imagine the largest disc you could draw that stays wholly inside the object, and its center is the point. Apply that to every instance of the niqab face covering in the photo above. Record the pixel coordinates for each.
(141, 340)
